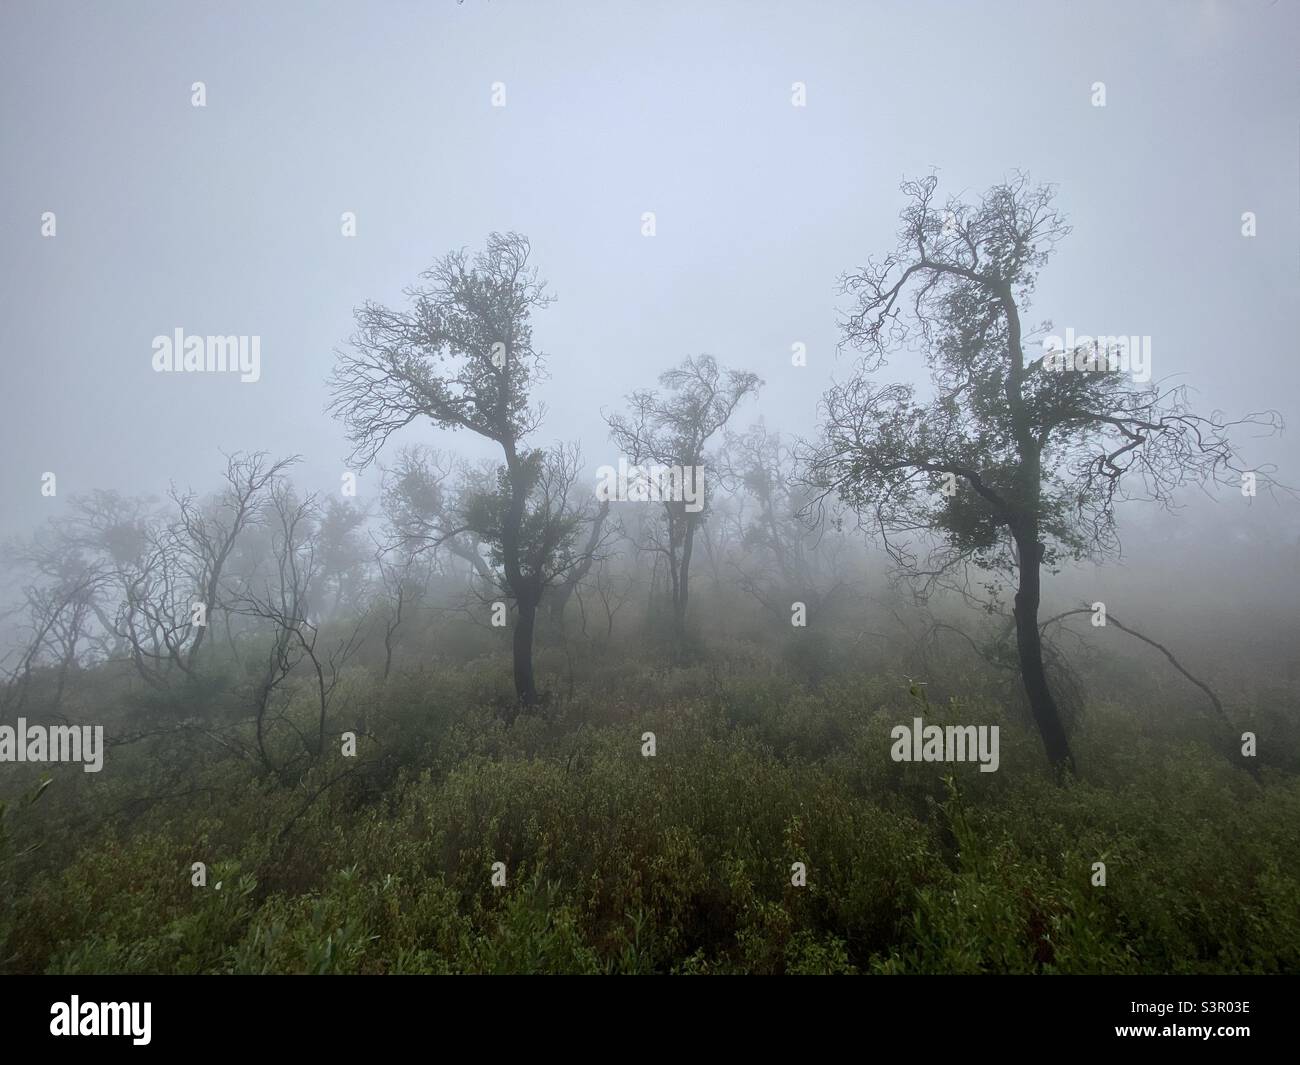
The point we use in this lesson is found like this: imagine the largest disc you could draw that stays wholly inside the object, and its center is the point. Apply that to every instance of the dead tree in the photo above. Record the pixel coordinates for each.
(282, 603)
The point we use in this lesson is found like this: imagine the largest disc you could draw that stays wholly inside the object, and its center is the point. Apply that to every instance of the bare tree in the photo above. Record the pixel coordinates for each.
(283, 601)
(404, 576)
(172, 576)
(111, 532)
(597, 535)
(612, 589)
(1012, 465)
(58, 614)
(206, 535)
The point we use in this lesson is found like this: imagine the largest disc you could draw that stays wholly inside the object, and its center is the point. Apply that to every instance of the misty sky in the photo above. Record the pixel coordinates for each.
(226, 219)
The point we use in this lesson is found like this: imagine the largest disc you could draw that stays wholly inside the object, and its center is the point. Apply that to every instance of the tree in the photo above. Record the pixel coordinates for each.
(199, 544)
(462, 356)
(58, 612)
(782, 555)
(159, 578)
(344, 558)
(111, 532)
(1014, 463)
(283, 604)
(671, 430)
(404, 579)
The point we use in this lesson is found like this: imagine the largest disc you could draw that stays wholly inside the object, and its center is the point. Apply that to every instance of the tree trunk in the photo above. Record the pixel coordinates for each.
(525, 684)
(1029, 640)
(688, 548)
(1029, 643)
(674, 576)
(526, 589)
(683, 581)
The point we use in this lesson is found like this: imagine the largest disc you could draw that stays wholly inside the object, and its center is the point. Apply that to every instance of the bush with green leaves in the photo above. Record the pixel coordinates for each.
(678, 863)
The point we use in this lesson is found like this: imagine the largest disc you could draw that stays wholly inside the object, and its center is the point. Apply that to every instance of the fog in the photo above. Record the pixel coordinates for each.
(226, 219)
(434, 548)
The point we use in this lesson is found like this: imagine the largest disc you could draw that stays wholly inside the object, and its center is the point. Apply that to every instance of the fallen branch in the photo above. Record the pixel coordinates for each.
(1112, 620)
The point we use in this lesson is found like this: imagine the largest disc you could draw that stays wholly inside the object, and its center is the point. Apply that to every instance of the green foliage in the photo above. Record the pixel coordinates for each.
(681, 863)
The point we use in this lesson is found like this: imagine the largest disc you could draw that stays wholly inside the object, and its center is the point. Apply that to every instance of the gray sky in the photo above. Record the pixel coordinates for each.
(226, 219)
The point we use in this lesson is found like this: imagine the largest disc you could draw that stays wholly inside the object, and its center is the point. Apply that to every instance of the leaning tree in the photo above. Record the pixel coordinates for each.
(1012, 462)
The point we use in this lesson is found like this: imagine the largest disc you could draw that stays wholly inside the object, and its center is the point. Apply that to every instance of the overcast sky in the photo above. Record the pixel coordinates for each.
(225, 219)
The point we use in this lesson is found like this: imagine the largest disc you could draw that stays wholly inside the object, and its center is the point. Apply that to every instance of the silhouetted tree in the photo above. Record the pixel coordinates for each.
(1011, 464)
(461, 356)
